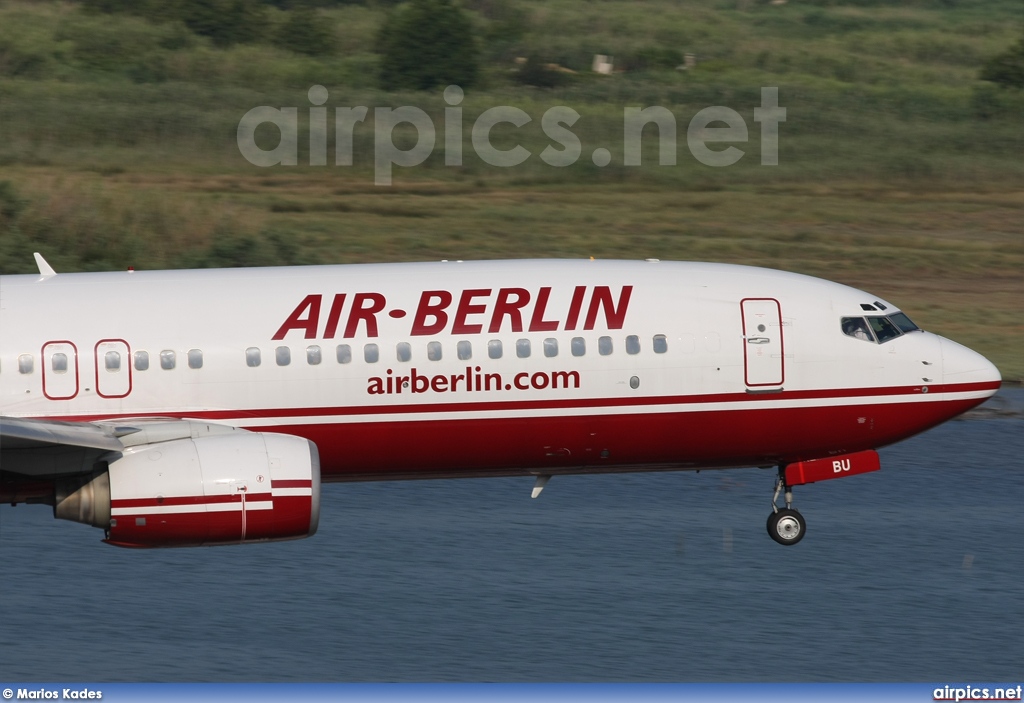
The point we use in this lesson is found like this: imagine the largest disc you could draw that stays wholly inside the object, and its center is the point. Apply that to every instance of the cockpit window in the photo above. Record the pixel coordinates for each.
(877, 328)
(857, 328)
(884, 329)
(903, 322)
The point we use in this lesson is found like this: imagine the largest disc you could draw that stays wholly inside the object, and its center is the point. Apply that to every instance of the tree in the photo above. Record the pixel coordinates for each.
(425, 44)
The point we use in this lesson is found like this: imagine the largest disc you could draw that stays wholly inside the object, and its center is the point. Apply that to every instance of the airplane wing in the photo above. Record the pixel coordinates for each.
(49, 448)
(17, 433)
(45, 449)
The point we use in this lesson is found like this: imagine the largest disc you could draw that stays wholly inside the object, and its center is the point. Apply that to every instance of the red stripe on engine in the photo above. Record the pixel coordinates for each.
(288, 520)
(188, 500)
(291, 483)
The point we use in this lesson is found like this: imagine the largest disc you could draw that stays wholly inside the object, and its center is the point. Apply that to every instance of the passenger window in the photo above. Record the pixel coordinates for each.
(253, 357)
(550, 347)
(464, 350)
(434, 351)
(660, 344)
(494, 349)
(632, 344)
(142, 361)
(857, 328)
(167, 360)
(578, 346)
(604, 346)
(112, 361)
(404, 351)
(59, 363)
(314, 355)
(371, 353)
(283, 356)
(344, 354)
(25, 363)
(195, 358)
(884, 329)
(523, 348)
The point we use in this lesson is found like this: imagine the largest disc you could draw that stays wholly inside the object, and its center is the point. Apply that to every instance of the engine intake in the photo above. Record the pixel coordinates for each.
(219, 489)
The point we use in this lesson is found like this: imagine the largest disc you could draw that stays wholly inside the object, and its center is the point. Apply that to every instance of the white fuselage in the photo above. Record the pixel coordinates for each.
(448, 369)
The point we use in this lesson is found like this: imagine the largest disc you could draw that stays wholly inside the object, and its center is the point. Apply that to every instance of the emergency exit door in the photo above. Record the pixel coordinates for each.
(763, 357)
(59, 364)
(113, 368)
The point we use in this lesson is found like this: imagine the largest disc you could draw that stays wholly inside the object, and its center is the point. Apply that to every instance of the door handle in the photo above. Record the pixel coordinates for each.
(758, 340)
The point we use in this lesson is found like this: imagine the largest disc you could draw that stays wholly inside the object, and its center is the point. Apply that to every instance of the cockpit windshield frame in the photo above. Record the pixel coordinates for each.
(878, 329)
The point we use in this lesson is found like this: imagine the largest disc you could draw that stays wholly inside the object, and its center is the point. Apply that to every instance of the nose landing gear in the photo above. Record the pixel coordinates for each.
(785, 525)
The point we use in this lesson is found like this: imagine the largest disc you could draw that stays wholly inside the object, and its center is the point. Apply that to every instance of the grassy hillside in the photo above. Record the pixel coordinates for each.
(899, 171)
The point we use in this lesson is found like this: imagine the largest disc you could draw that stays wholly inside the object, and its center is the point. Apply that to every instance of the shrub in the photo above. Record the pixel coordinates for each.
(538, 73)
(304, 32)
(11, 204)
(1006, 69)
(226, 22)
(651, 58)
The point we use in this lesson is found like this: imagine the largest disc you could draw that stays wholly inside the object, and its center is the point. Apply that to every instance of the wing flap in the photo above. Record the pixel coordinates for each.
(18, 433)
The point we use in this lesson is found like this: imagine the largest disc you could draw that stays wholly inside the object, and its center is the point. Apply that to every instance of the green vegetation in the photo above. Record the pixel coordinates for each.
(425, 44)
(1007, 68)
(900, 166)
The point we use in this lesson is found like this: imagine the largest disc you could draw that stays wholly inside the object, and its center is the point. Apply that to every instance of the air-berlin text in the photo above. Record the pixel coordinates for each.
(473, 380)
(471, 311)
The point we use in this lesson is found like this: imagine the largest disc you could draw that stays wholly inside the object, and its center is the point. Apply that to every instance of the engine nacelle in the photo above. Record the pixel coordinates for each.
(219, 489)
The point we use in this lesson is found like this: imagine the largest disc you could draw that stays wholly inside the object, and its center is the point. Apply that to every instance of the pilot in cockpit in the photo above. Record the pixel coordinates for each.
(857, 327)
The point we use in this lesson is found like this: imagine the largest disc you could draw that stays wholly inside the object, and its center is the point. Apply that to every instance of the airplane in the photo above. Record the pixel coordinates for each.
(202, 407)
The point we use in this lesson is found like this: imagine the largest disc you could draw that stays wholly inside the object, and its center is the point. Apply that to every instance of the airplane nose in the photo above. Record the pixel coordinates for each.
(963, 365)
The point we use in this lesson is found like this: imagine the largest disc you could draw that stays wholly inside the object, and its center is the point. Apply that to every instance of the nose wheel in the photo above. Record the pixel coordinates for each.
(785, 525)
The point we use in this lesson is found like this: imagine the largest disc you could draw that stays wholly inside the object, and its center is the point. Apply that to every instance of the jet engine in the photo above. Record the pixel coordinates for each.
(207, 490)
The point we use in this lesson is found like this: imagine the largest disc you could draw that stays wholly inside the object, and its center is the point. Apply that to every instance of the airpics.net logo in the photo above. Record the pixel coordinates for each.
(566, 148)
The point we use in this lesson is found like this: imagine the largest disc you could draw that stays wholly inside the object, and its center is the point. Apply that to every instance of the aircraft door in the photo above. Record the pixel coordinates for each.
(60, 370)
(763, 357)
(113, 368)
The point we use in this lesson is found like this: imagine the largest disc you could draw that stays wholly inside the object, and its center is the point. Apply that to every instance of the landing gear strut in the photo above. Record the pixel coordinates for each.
(785, 525)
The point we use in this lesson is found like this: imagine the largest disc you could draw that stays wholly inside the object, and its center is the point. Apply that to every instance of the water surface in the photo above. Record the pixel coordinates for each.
(912, 573)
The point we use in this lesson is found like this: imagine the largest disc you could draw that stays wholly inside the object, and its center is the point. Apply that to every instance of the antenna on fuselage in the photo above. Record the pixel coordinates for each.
(45, 270)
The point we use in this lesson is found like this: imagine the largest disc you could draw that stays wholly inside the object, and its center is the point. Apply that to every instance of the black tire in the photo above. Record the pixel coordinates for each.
(786, 526)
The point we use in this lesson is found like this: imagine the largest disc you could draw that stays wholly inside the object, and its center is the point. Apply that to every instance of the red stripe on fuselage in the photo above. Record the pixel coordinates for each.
(701, 439)
(558, 404)
(661, 438)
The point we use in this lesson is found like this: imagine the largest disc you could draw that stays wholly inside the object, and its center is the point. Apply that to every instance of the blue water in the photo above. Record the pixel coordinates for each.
(912, 573)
